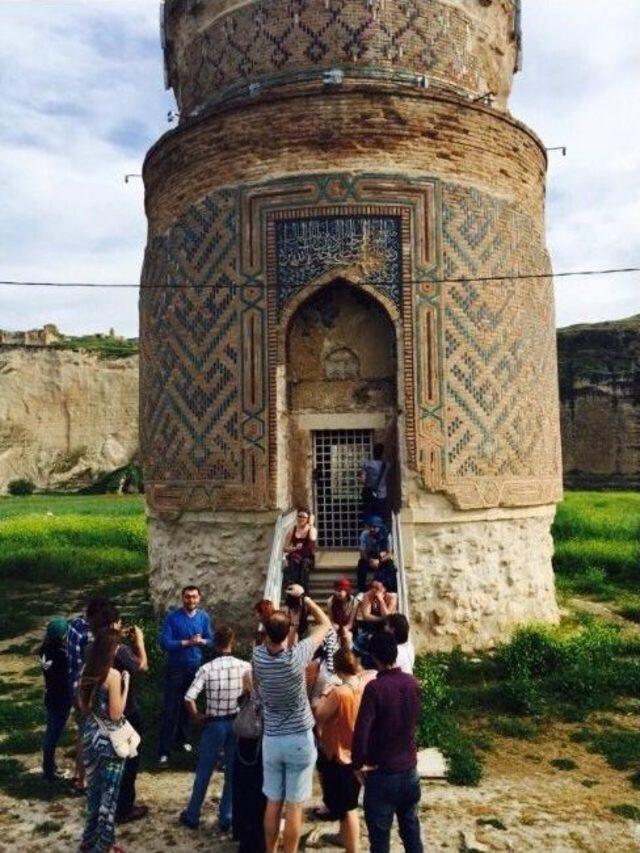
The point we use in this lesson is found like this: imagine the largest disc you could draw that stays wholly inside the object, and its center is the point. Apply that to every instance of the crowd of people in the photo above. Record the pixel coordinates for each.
(309, 697)
(328, 688)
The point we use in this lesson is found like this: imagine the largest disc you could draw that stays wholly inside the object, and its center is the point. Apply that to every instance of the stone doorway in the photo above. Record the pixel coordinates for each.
(341, 383)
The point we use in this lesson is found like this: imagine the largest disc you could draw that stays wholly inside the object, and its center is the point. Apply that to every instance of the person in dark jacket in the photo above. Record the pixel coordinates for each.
(57, 697)
(384, 753)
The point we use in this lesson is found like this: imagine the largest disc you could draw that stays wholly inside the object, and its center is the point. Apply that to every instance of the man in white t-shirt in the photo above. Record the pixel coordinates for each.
(398, 625)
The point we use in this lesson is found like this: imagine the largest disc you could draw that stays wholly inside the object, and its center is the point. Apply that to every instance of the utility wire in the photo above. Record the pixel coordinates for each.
(465, 280)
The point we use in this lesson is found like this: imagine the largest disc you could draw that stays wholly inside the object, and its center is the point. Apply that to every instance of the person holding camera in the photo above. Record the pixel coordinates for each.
(288, 747)
(130, 659)
(102, 697)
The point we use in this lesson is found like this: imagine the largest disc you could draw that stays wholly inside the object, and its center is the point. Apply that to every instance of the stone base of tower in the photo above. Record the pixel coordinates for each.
(225, 554)
(474, 577)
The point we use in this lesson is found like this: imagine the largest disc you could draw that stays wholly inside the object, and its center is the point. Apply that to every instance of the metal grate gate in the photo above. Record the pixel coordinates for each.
(337, 456)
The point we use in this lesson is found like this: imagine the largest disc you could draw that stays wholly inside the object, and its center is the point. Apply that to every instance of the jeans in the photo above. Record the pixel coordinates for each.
(127, 795)
(217, 735)
(56, 720)
(174, 716)
(386, 795)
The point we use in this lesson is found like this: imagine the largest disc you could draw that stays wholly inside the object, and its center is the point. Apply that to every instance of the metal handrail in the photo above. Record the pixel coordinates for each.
(403, 595)
(273, 584)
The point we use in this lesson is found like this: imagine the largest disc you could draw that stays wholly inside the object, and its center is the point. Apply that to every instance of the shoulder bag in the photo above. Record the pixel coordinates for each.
(123, 737)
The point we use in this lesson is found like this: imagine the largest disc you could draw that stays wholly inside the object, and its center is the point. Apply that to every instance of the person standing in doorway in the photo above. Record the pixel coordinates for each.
(384, 753)
(223, 680)
(300, 549)
(288, 747)
(185, 632)
(373, 479)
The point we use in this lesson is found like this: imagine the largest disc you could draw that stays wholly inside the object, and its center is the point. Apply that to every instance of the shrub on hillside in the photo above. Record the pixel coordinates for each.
(21, 487)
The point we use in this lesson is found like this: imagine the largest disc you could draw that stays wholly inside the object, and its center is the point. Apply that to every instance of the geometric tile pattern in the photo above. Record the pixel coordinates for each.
(201, 425)
(267, 43)
(478, 358)
(501, 414)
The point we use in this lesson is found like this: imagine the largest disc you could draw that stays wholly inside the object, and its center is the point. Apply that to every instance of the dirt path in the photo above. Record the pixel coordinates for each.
(540, 808)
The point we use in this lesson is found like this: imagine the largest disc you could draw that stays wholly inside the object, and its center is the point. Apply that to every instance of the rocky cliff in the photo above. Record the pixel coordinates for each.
(65, 417)
(600, 404)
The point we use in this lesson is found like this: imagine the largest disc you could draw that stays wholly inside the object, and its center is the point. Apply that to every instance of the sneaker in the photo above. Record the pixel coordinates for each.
(184, 820)
(163, 761)
(187, 747)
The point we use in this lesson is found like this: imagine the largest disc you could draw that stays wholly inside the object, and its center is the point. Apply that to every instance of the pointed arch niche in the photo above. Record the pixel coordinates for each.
(337, 370)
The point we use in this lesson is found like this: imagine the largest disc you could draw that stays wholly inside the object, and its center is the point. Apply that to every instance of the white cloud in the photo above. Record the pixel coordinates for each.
(579, 88)
(82, 100)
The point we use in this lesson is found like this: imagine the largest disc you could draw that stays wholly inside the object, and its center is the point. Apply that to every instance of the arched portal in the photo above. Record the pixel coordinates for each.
(340, 397)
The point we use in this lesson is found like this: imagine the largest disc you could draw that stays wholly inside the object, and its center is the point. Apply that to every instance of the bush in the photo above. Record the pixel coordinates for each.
(21, 487)
(437, 727)
(531, 653)
(521, 729)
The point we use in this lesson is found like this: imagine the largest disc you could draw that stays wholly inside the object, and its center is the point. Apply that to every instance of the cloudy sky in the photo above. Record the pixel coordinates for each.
(82, 98)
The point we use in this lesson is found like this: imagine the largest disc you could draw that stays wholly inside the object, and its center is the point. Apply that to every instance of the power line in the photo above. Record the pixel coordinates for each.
(465, 280)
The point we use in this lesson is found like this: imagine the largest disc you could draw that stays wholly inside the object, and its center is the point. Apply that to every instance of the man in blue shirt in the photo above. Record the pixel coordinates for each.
(375, 556)
(184, 633)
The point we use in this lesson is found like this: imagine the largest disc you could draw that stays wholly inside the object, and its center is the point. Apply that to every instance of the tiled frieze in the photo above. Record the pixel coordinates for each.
(477, 358)
(214, 57)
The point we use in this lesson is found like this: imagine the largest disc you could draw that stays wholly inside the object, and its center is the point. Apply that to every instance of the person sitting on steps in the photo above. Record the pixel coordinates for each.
(342, 605)
(375, 555)
(300, 549)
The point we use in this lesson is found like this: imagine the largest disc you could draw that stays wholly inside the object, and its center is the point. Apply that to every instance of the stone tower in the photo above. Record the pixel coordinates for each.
(344, 175)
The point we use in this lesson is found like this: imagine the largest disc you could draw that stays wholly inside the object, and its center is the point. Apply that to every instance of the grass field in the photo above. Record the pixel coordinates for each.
(597, 548)
(55, 551)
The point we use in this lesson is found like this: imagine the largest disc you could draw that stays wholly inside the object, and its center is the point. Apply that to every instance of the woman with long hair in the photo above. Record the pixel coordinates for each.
(102, 696)
(336, 712)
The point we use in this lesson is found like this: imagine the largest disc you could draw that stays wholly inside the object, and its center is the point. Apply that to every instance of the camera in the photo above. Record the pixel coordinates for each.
(292, 601)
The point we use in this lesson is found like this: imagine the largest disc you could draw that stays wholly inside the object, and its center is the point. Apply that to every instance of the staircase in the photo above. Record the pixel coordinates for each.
(331, 565)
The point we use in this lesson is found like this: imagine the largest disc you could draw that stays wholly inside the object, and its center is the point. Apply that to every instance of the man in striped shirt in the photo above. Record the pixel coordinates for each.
(288, 748)
(224, 680)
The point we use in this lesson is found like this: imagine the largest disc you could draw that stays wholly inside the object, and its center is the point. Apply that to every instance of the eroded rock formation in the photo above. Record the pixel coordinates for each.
(600, 404)
(65, 417)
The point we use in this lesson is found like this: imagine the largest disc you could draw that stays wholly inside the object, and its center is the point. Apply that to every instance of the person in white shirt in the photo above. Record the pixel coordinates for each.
(397, 624)
(224, 680)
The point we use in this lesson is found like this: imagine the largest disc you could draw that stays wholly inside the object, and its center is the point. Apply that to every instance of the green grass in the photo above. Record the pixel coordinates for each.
(73, 505)
(597, 545)
(598, 515)
(515, 728)
(627, 810)
(563, 764)
(105, 347)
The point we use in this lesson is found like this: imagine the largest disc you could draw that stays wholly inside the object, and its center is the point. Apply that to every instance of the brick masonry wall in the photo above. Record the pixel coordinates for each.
(351, 130)
(215, 50)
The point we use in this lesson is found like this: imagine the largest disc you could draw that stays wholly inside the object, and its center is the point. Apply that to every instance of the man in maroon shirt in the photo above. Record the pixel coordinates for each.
(384, 751)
